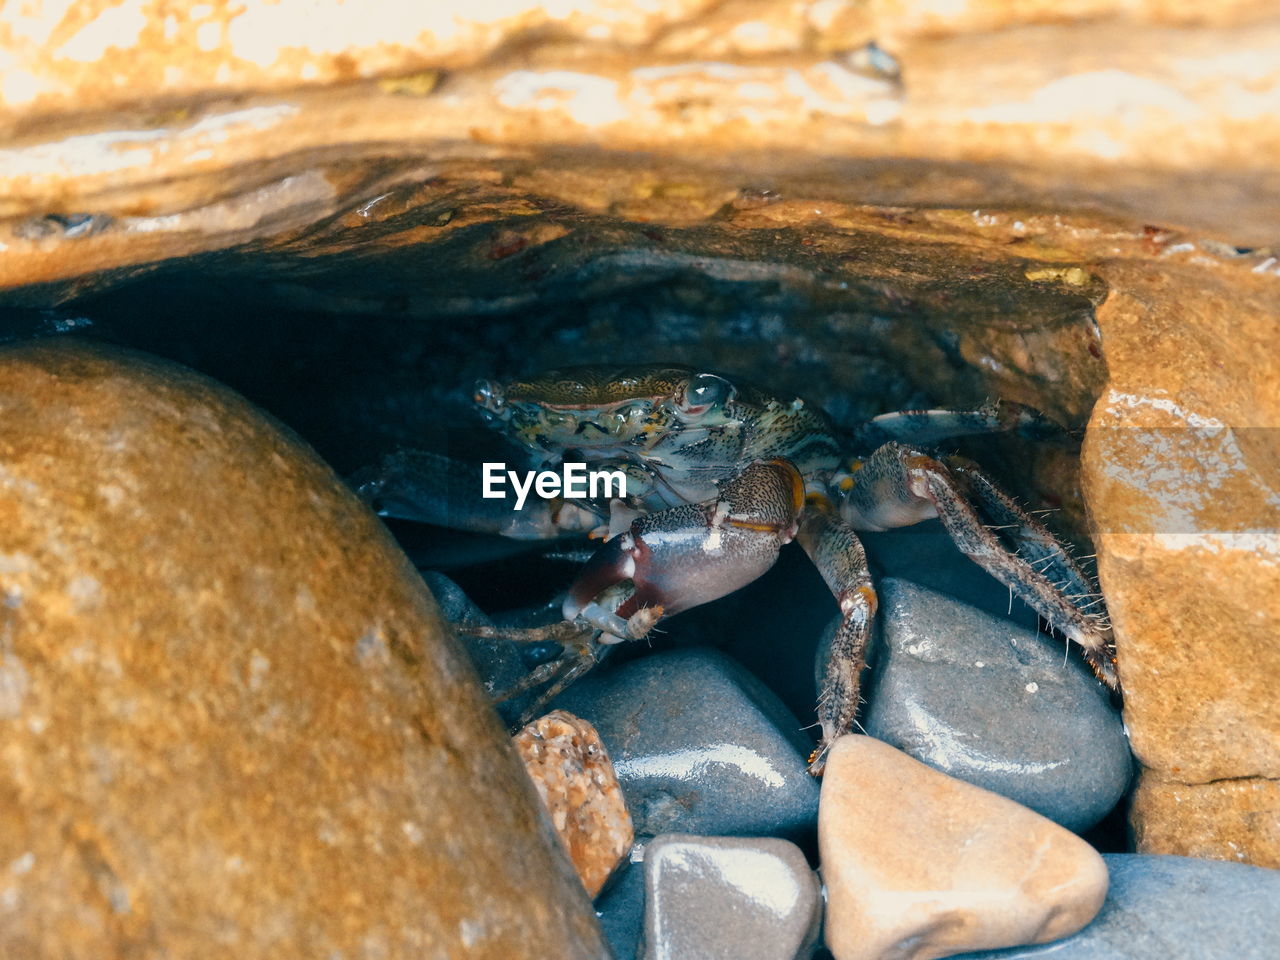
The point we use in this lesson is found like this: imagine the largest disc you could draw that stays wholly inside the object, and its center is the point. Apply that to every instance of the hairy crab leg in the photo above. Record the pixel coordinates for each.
(836, 551)
(1049, 557)
(931, 426)
(693, 553)
(431, 488)
(559, 673)
(1031, 538)
(898, 485)
(582, 641)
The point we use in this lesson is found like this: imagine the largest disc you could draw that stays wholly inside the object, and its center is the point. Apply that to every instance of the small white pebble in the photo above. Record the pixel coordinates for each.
(978, 663)
(1032, 687)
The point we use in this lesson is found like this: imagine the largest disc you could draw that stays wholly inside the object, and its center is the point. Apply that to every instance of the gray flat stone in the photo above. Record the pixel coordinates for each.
(728, 897)
(699, 746)
(620, 910)
(1173, 908)
(999, 706)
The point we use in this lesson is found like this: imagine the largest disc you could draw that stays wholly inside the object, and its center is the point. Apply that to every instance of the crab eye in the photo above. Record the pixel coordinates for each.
(488, 395)
(703, 392)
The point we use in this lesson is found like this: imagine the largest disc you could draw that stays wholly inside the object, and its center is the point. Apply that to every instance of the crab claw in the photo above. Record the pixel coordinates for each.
(691, 554)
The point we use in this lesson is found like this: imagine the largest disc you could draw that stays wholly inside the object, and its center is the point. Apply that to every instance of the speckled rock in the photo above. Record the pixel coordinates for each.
(919, 865)
(1182, 473)
(1173, 908)
(998, 706)
(753, 898)
(569, 766)
(700, 746)
(233, 723)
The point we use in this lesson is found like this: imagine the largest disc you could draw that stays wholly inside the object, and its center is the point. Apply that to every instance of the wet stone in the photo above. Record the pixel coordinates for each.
(994, 704)
(1173, 908)
(922, 865)
(700, 746)
(745, 898)
(572, 773)
(620, 909)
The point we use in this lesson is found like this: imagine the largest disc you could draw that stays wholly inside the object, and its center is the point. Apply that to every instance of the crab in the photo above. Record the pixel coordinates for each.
(720, 475)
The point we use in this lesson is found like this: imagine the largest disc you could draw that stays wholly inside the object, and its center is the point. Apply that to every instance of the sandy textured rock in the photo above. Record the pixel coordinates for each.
(570, 767)
(168, 130)
(1182, 474)
(1237, 820)
(233, 725)
(919, 865)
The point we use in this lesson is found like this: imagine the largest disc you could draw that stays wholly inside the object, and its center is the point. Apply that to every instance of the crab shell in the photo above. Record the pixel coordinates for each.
(691, 430)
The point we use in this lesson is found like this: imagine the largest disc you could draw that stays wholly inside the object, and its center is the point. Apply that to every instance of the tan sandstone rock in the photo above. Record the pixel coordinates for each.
(1181, 471)
(569, 765)
(1236, 820)
(174, 128)
(919, 865)
(233, 723)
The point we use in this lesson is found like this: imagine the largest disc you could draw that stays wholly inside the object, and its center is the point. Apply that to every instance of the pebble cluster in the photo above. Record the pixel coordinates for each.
(951, 827)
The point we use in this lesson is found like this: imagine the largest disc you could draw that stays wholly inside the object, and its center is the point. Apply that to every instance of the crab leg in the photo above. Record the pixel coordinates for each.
(430, 488)
(931, 426)
(898, 485)
(692, 553)
(837, 553)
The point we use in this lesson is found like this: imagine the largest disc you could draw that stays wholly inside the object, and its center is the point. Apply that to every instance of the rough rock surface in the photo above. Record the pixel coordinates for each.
(699, 746)
(995, 705)
(939, 214)
(1173, 908)
(919, 865)
(233, 723)
(569, 766)
(154, 132)
(753, 898)
(1182, 475)
(1236, 820)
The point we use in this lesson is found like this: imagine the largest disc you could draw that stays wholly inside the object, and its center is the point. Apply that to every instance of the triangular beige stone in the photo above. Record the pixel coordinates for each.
(920, 865)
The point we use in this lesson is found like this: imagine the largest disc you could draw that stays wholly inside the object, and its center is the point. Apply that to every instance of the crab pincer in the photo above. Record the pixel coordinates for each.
(691, 553)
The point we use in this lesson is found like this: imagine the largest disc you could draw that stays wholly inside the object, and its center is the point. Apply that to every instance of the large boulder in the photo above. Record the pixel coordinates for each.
(1181, 470)
(233, 723)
